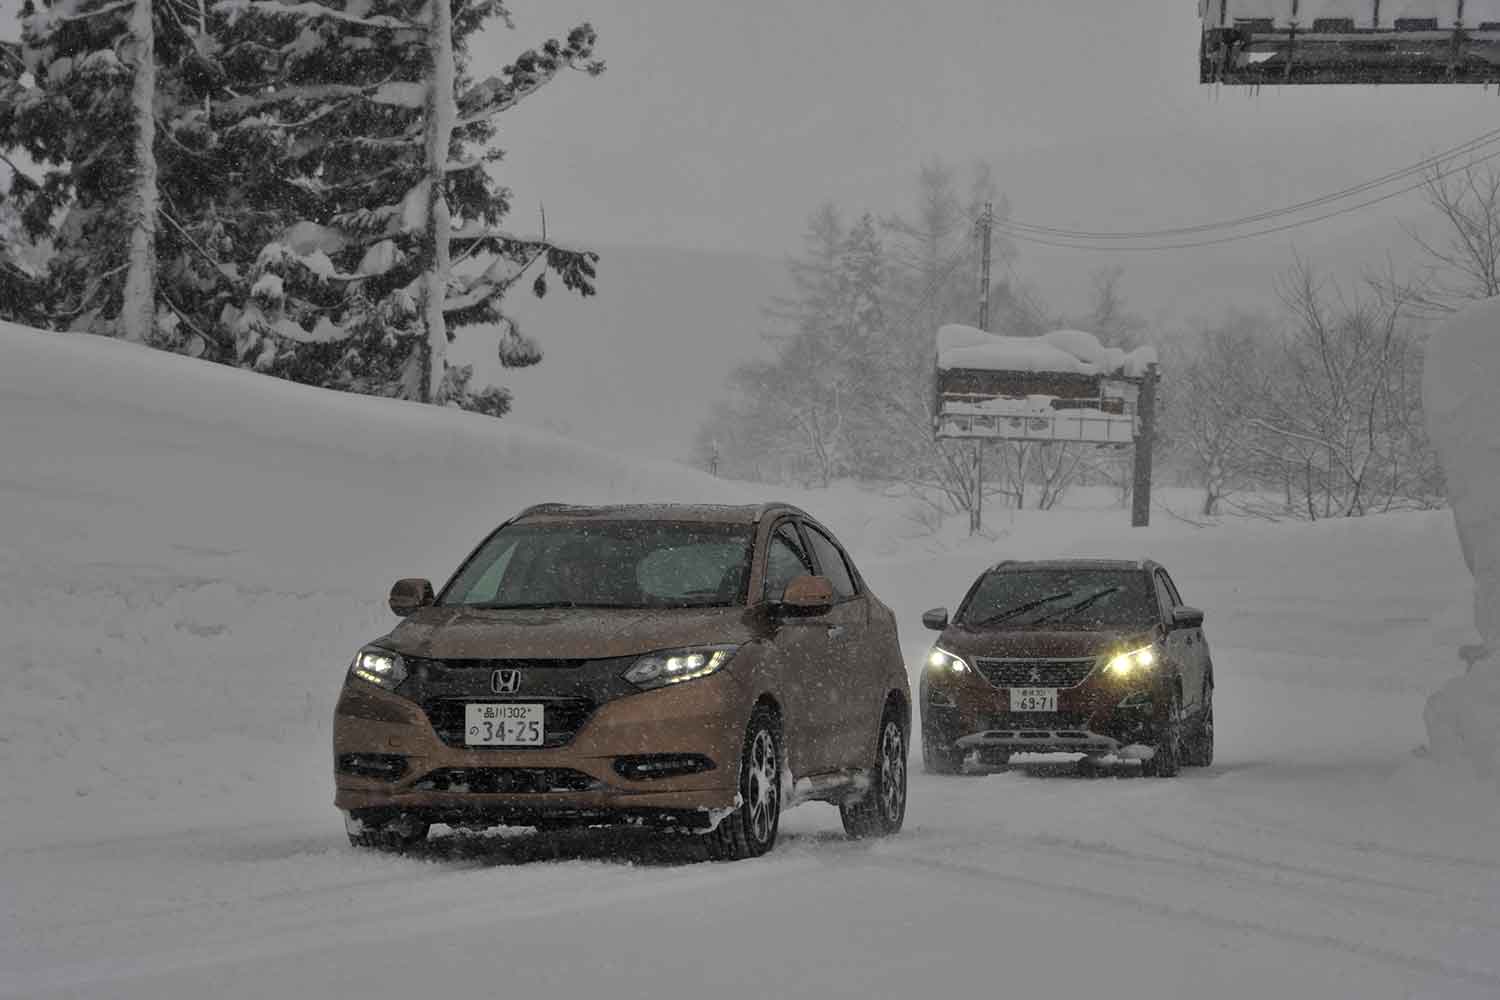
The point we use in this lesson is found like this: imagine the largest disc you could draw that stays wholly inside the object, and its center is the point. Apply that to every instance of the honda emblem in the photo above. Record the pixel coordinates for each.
(505, 681)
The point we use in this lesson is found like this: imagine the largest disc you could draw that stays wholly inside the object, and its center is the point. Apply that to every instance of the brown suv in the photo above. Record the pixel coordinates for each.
(1094, 657)
(690, 667)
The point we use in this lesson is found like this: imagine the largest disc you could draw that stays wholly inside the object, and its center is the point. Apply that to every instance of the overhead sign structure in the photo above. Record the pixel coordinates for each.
(1252, 42)
(1061, 387)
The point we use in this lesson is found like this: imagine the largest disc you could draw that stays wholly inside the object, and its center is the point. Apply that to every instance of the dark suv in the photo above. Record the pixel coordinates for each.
(690, 667)
(1094, 657)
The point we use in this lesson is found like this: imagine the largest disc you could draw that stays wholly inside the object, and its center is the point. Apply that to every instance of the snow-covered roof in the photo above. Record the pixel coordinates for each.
(1067, 351)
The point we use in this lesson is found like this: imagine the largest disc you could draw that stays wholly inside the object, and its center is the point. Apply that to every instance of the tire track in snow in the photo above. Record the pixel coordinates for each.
(1199, 917)
(335, 926)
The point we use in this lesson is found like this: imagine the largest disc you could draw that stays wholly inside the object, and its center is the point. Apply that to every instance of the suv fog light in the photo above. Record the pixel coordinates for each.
(387, 766)
(661, 765)
(939, 698)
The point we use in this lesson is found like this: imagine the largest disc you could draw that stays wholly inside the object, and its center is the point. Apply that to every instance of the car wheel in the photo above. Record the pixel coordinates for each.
(1200, 750)
(940, 760)
(391, 833)
(882, 809)
(750, 830)
(1166, 761)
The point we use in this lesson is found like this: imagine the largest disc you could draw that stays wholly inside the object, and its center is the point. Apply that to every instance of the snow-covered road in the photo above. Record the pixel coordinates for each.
(1263, 876)
(189, 554)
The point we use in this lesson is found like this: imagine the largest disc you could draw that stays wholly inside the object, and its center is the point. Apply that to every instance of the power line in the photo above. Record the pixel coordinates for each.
(1053, 232)
(1079, 241)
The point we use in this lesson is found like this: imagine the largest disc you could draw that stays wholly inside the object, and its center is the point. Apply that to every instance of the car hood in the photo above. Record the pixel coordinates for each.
(1040, 643)
(583, 634)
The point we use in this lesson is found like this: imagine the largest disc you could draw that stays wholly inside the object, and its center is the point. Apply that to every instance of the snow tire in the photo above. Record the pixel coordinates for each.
(882, 809)
(1167, 759)
(1200, 747)
(750, 830)
(396, 835)
(937, 760)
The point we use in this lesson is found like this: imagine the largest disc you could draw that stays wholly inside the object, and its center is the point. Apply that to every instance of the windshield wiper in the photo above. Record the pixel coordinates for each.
(1020, 609)
(1080, 605)
(537, 605)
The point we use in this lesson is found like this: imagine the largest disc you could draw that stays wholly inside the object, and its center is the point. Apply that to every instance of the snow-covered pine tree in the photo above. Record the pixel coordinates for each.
(95, 81)
(392, 235)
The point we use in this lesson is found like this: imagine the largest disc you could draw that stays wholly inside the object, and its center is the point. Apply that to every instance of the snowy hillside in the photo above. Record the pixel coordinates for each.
(189, 555)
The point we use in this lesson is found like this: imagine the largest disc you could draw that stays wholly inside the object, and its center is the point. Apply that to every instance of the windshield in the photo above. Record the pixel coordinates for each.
(608, 564)
(1061, 598)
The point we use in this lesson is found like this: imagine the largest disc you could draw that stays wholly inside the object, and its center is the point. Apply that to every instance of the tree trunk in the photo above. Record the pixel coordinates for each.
(138, 312)
(442, 113)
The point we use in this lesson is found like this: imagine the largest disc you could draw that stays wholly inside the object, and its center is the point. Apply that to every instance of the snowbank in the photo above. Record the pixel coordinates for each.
(1067, 351)
(190, 553)
(1461, 400)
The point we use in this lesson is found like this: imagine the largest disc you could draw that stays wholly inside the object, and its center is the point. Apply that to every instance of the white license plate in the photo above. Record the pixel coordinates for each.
(495, 724)
(1033, 699)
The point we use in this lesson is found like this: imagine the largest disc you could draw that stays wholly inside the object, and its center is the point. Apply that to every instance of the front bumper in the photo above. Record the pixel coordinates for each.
(595, 776)
(1040, 741)
(1099, 716)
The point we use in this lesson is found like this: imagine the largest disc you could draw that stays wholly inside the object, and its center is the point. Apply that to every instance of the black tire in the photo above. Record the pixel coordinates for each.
(750, 830)
(1166, 761)
(1200, 745)
(881, 810)
(994, 758)
(395, 834)
(940, 760)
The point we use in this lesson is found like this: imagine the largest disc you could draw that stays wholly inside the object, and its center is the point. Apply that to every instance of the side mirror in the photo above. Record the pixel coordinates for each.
(807, 595)
(936, 619)
(410, 594)
(1185, 617)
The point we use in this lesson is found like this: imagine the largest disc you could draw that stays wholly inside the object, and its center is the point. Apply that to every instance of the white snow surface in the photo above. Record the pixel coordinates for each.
(189, 554)
(1461, 402)
(1068, 351)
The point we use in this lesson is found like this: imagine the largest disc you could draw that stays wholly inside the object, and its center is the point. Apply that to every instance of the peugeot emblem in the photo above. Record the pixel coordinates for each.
(1036, 675)
(505, 681)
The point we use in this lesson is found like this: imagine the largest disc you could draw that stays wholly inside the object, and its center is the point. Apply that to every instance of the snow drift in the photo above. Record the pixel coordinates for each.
(1461, 400)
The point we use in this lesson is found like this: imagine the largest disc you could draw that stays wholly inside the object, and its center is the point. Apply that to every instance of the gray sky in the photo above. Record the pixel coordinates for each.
(720, 125)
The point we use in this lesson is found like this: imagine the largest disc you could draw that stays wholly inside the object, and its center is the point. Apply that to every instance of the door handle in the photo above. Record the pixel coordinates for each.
(835, 631)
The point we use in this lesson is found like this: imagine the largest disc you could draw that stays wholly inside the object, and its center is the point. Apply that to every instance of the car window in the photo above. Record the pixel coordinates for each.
(831, 562)
(486, 586)
(785, 560)
(1064, 597)
(1172, 591)
(1166, 595)
(607, 564)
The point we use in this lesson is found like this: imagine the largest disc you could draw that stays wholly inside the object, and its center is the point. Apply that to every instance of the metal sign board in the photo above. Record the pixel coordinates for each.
(1256, 42)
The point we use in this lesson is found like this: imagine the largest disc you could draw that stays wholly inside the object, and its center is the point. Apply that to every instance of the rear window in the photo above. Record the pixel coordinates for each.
(1075, 598)
(607, 564)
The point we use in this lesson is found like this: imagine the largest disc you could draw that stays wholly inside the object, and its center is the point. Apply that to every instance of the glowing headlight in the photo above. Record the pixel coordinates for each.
(1134, 662)
(674, 666)
(379, 666)
(940, 659)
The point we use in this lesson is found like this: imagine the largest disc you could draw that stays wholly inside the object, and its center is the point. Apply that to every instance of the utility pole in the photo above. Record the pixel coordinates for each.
(1140, 495)
(986, 223)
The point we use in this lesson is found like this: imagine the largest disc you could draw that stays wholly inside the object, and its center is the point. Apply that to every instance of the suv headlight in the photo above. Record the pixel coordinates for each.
(673, 666)
(942, 661)
(1132, 662)
(380, 667)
